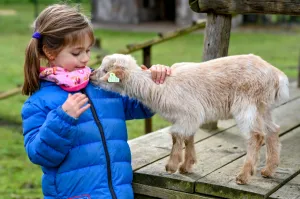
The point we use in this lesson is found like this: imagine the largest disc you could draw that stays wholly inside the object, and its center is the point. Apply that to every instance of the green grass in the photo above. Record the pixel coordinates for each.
(21, 178)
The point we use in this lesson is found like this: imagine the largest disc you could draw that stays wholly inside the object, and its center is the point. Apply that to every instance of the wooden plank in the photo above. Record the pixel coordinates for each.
(212, 153)
(157, 145)
(140, 196)
(286, 7)
(216, 43)
(148, 191)
(290, 190)
(222, 182)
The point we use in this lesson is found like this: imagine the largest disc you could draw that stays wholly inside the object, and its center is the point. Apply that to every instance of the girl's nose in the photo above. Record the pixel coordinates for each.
(85, 58)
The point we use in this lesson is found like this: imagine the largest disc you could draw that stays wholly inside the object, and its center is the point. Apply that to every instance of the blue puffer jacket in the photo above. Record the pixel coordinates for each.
(76, 161)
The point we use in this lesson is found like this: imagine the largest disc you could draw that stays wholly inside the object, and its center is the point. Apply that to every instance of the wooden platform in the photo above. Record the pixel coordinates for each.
(220, 154)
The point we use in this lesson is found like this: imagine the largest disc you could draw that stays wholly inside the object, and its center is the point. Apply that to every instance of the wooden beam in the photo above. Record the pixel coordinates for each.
(285, 7)
(10, 93)
(164, 37)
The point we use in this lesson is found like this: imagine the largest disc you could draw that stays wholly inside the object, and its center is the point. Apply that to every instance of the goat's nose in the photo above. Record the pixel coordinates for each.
(93, 75)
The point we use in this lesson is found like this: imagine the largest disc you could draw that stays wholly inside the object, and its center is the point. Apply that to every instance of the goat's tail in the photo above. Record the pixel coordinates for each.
(282, 93)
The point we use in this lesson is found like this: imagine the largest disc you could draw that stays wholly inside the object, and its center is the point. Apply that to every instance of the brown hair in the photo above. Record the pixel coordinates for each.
(59, 26)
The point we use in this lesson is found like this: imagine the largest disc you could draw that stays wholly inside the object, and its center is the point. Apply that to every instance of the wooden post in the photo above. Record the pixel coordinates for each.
(147, 62)
(216, 43)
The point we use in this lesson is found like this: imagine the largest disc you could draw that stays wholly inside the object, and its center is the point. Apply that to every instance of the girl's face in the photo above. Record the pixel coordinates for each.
(74, 57)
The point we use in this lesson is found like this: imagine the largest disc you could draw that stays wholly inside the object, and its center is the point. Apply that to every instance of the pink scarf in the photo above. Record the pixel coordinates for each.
(68, 81)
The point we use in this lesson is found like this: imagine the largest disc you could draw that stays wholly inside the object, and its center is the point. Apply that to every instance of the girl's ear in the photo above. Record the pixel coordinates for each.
(50, 55)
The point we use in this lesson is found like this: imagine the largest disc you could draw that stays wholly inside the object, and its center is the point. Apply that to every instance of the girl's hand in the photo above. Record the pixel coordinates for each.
(75, 104)
(159, 73)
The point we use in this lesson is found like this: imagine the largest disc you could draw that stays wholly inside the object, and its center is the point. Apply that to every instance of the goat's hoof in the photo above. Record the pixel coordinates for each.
(242, 179)
(185, 170)
(171, 168)
(266, 173)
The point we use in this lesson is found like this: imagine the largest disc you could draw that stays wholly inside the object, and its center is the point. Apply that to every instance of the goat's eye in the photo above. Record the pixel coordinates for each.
(105, 71)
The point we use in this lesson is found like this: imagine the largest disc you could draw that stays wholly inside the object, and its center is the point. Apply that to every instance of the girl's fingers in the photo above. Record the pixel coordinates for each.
(83, 109)
(82, 102)
(159, 74)
(164, 73)
(153, 73)
(168, 70)
(79, 97)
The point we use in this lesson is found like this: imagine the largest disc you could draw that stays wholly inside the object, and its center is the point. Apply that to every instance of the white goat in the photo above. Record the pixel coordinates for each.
(244, 87)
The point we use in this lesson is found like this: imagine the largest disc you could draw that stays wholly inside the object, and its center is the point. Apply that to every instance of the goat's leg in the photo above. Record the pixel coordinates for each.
(254, 144)
(273, 147)
(176, 154)
(189, 155)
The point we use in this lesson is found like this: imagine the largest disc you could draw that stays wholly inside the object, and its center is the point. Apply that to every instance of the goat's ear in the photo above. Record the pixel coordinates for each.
(119, 73)
(144, 67)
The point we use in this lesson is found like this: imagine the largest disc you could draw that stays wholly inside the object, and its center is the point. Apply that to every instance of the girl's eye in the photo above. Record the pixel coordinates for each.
(75, 54)
(87, 51)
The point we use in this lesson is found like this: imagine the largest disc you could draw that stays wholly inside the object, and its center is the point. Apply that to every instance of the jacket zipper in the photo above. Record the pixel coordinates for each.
(99, 125)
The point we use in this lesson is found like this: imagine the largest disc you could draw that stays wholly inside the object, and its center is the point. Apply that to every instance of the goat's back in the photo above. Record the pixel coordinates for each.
(220, 83)
(241, 73)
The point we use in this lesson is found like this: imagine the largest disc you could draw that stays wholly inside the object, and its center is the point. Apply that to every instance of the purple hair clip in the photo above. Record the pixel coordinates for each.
(36, 35)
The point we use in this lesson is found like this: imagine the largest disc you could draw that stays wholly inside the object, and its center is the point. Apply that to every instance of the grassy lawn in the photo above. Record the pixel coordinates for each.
(18, 176)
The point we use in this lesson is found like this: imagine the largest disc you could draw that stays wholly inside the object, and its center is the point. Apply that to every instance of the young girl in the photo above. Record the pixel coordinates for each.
(75, 132)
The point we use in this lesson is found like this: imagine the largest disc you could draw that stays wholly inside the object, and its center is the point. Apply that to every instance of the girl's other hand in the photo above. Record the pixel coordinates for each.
(75, 105)
(159, 73)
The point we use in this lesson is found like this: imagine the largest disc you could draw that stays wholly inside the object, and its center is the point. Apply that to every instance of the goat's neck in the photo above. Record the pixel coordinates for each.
(140, 85)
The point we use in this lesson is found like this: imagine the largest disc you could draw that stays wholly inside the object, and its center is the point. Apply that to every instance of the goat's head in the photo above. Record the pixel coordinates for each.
(114, 69)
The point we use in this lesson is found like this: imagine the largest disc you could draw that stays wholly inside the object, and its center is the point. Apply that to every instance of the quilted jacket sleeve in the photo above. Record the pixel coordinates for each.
(47, 136)
(135, 110)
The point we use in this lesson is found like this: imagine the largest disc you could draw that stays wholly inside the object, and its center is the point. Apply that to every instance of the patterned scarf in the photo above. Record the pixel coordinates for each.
(68, 81)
